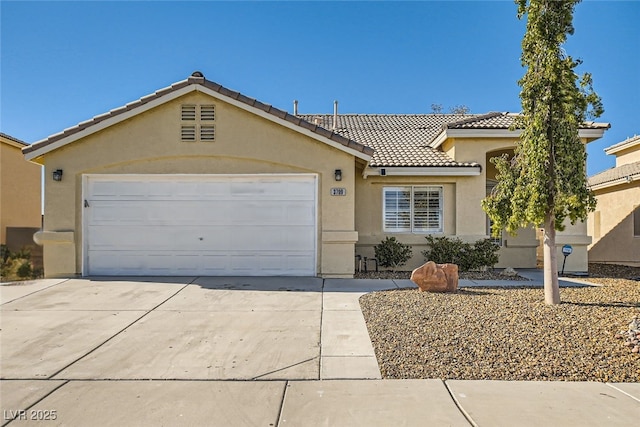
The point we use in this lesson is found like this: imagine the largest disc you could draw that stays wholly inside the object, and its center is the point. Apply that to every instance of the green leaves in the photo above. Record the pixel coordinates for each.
(547, 174)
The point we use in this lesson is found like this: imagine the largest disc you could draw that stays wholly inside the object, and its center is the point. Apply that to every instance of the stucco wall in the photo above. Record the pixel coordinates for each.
(463, 214)
(20, 190)
(630, 155)
(611, 226)
(149, 143)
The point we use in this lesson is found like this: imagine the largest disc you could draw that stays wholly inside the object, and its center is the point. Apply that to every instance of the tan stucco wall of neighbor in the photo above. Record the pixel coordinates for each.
(20, 189)
(630, 155)
(149, 143)
(611, 225)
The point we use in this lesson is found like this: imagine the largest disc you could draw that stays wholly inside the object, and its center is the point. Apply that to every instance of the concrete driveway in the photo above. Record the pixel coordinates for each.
(171, 329)
(241, 352)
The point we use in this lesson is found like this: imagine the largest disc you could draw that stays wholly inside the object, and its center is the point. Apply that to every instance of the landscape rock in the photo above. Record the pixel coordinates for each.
(509, 272)
(432, 277)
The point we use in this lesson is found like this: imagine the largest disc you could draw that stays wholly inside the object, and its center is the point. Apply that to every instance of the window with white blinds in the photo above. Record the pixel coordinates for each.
(412, 209)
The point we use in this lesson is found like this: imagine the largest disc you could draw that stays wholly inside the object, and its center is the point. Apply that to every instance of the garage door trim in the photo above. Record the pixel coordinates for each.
(88, 179)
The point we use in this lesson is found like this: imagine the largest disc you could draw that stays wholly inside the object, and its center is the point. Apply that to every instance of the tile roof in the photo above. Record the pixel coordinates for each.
(631, 170)
(198, 79)
(11, 138)
(632, 141)
(491, 120)
(397, 139)
(495, 120)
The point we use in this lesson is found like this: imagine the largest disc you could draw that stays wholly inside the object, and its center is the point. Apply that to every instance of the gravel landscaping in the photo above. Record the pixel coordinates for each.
(509, 334)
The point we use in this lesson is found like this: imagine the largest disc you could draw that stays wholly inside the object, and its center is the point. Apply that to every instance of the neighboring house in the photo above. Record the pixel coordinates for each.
(199, 179)
(615, 224)
(20, 197)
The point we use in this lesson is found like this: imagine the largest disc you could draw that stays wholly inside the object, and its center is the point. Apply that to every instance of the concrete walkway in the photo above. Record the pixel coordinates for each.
(245, 351)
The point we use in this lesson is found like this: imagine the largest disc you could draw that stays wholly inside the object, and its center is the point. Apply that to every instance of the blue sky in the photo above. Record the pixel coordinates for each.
(65, 62)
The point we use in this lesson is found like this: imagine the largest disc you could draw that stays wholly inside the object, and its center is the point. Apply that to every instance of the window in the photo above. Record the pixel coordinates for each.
(412, 209)
(636, 221)
(192, 130)
(495, 240)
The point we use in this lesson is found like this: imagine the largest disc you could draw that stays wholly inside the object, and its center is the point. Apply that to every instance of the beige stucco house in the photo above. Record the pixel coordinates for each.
(199, 179)
(20, 194)
(615, 224)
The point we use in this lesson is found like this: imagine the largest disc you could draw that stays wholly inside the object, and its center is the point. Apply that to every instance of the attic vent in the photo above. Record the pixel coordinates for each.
(207, 133)
(207, 112)
(188, 133)
(188, 112)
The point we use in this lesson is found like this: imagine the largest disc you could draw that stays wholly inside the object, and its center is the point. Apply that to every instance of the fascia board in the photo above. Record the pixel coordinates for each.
(424, 171)
(501, 133)
(283, 122)
(620, 181)
(176, 94)
(617, 148)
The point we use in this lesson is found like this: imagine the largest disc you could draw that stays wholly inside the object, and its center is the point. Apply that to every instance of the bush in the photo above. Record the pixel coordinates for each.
(392, 254)
(24, 270)
(467, 256)
(17, 265)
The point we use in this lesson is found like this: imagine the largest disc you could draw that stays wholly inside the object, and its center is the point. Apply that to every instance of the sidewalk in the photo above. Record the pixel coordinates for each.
(100, 387)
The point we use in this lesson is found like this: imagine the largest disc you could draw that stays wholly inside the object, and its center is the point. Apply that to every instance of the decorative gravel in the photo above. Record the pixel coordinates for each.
(506, 333)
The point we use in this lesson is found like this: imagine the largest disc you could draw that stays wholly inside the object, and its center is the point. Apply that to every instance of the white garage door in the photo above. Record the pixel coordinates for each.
(168, 225)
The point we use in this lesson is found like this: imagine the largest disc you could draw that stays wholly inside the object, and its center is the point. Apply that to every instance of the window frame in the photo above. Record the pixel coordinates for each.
(412, 227)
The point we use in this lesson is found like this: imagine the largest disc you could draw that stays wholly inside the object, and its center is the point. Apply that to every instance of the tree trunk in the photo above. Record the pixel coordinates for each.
(551, 286)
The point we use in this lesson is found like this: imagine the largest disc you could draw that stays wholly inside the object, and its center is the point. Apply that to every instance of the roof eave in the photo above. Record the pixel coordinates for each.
(588, 134)
(181, 88)
(625, 145)
(619, 181)
(423, 171)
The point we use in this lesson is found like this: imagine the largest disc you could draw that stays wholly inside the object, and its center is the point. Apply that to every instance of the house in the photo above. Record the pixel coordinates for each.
(199, 179)
(615, 224)
(20, 197)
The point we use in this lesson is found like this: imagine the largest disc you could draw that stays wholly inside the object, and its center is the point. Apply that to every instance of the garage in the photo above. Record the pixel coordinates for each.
(209, 225)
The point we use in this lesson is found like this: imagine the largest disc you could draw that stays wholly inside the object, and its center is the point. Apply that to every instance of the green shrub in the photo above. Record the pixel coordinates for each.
(467, 256)
(392, 254)
(24, 270)
(17, 265)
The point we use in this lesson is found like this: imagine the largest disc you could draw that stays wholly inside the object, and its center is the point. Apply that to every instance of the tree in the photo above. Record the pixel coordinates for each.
(545, 181)
(458, 109)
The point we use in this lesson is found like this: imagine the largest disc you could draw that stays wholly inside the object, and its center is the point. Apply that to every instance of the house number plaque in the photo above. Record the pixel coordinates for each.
(338, 191)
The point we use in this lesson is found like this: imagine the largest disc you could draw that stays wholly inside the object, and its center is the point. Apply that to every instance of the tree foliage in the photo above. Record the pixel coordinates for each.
(545, 181)
(457, 109)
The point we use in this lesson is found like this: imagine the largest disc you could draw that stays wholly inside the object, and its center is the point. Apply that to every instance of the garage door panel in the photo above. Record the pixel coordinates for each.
(201, 224)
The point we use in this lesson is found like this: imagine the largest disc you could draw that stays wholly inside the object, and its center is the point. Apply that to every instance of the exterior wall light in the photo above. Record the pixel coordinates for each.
(338, 175)
(57, 175)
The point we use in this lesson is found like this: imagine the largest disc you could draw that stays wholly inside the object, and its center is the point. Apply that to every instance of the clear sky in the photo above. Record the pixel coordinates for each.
(65, 62)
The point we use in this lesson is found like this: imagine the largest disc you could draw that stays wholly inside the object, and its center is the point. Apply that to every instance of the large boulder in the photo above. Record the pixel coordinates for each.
(432, 277)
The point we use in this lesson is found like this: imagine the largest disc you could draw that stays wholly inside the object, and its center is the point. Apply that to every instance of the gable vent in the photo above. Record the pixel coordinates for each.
(207, 133)
(188, 112)
(188, 133)
(207, 112)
